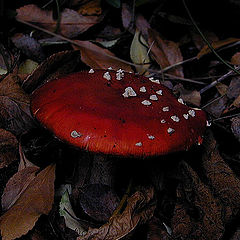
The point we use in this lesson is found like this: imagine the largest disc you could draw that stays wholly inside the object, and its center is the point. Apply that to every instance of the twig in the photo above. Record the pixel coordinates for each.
(230, 116)
(214, 83)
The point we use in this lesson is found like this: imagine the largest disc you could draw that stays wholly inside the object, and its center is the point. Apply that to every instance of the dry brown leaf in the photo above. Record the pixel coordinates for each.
(205, 50)
(72, 23)
(15, 113)
(235, 60)
(139, 209)
(197, 213)
(16, 185)
(56, 65)
(223, 180)
(92, 7)
(24, 162)
(165, 53)
(188, 96)
(8, 148)
(198, 40)
(36, 200)
(99, 58)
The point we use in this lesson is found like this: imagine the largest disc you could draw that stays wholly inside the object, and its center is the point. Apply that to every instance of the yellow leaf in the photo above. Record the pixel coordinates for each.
(139, 52)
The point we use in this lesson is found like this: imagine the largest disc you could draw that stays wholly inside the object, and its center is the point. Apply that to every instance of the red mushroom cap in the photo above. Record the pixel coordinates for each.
(119, 113)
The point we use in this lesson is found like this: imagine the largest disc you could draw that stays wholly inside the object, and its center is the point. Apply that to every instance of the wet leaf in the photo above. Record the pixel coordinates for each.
(165, 53)
(16, 185)
(139, 52)
(139, 209)
(71, 25)
(99, 58)
(8, 148)
(197, 213)
(36, 200)
(15, 113)
(205, 50)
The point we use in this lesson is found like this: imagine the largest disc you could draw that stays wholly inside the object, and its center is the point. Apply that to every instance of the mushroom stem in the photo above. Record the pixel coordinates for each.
(102, 170)
(124, 199)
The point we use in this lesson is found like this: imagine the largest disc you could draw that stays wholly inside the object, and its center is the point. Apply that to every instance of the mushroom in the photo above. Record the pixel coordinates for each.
(117, 113)
(131, 116)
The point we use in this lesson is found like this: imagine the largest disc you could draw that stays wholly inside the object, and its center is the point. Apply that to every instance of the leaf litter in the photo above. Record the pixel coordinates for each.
(199, 199)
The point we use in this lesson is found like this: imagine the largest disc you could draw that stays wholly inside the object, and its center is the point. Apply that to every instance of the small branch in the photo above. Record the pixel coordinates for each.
(214, 83)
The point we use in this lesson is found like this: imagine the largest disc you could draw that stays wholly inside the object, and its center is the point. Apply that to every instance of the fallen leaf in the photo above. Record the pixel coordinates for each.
(217, 107)
(72, 23)
(139, 53)
(198, 213)
(188, 96)
(198, 40)
(139, 209)
(8, 148)
(24, 162)
(16, 185)
(36, 200)
(235, 60)
(29, 46)
(234, 88)
(27, 67)
(165, 53)
(222, 88)
(235, 127)
(15, 115)
(99, 58)
(66, 211)
(225, 183)
(205, 50)
(92, 7)
(54, 66)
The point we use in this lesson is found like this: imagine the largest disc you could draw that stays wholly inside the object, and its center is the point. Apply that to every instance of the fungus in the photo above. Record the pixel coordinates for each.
(84, 110)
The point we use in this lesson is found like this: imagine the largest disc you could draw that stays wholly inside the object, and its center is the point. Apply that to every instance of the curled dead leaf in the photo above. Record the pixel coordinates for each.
(37, 199)
(139, 209)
